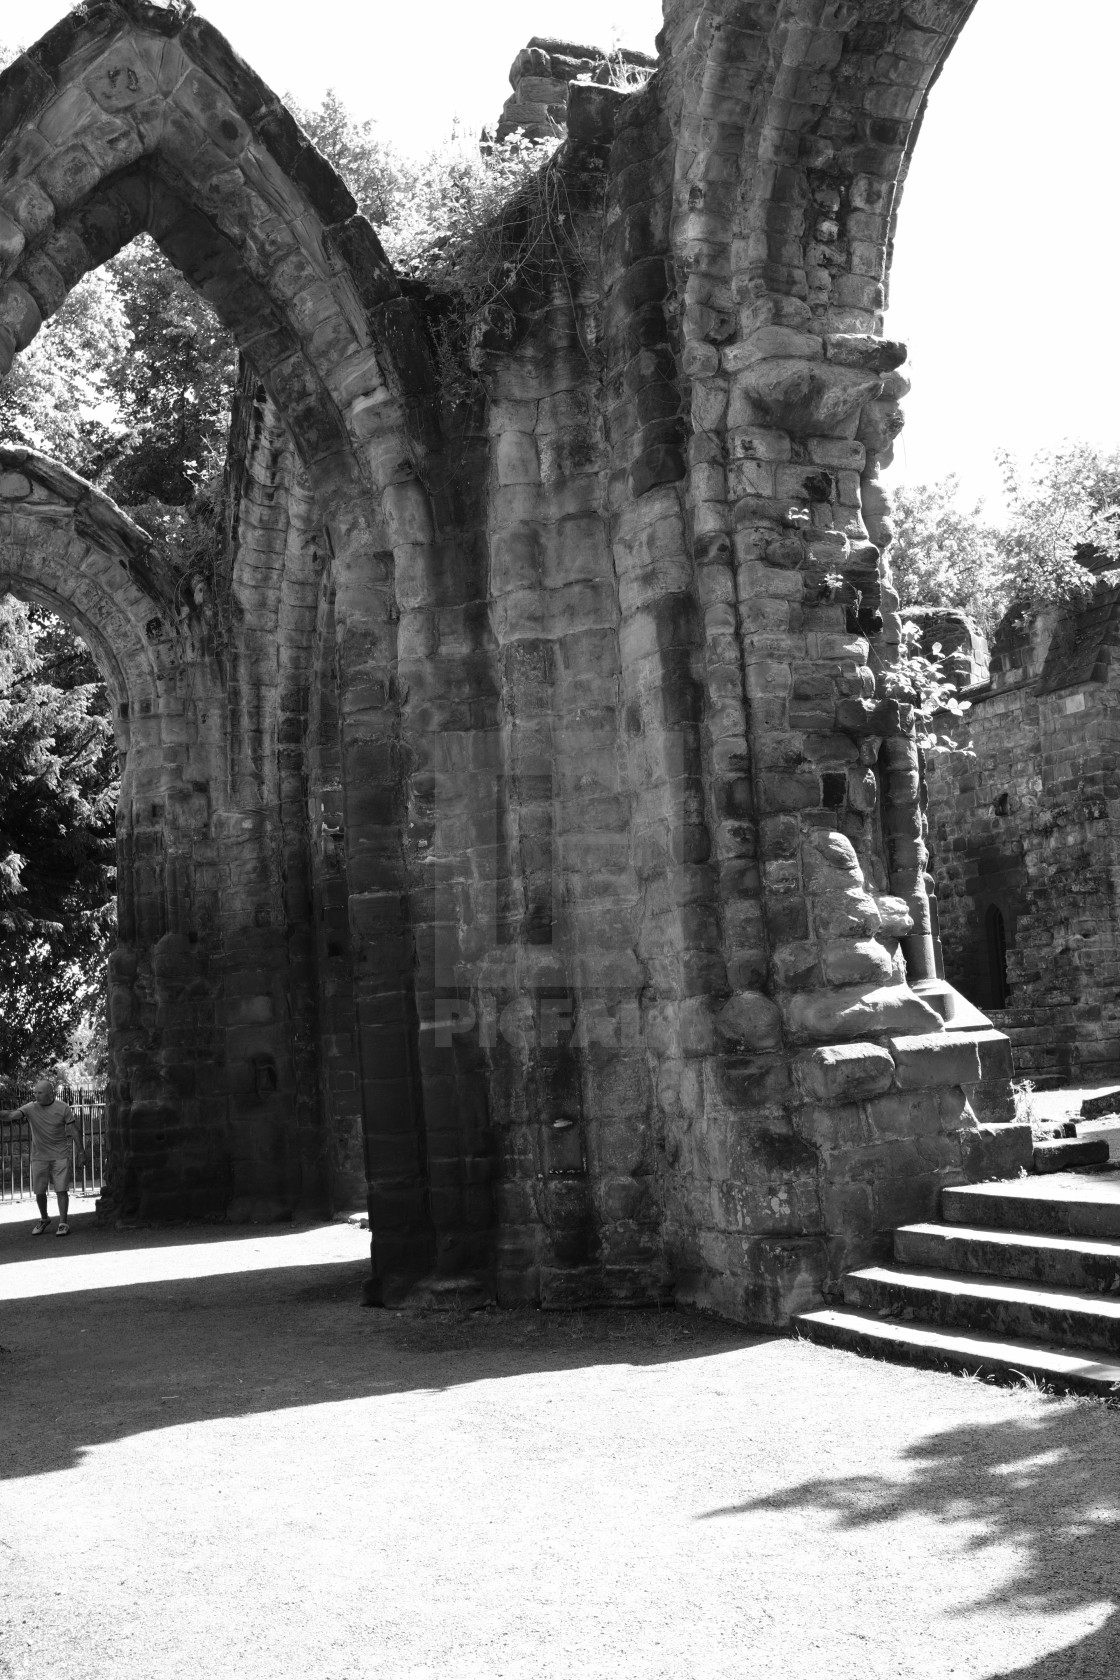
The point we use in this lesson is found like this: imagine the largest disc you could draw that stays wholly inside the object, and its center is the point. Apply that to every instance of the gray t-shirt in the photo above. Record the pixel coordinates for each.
(49, 1141)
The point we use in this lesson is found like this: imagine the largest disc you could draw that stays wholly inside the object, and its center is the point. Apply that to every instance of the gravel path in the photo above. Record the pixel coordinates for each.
(216, 1463)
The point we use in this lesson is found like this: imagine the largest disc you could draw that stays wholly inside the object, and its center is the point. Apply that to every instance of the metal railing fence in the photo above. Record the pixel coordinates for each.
(88, 1104)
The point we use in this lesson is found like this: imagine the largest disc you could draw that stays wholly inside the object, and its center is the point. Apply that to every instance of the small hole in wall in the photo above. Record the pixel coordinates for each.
(1002, 806)
(834, 788)
(820, 487)
(265, 1077)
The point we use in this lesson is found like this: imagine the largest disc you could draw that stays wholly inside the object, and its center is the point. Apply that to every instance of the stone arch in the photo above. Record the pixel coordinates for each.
(68, 548)
(644, 613)
(138, 118)
(72, 547)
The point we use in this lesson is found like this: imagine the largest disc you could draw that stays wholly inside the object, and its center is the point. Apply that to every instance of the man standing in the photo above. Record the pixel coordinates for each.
(52, 1126)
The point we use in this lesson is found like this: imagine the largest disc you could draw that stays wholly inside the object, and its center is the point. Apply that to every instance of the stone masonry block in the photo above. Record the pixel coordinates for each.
(843, 1072)
(855, 1013)
(926, 1059)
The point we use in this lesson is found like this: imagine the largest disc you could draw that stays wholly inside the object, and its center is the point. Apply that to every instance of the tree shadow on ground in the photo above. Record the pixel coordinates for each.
(94, 1366)
(1041, 1484)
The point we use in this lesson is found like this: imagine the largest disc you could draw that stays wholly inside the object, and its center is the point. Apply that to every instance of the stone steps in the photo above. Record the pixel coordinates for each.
(1080, 1370)
(1089, 1263)
(1020, 1276)
(1003, 1307)
(1085, 1204)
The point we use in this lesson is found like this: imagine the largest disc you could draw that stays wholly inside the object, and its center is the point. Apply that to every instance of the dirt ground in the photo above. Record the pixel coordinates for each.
(217, 1463)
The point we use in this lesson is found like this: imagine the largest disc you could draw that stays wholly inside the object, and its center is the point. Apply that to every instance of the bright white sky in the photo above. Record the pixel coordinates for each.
(1007, 240)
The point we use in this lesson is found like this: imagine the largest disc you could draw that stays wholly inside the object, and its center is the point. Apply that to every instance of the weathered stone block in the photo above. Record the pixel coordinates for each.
(843, 1072)
(941, 1058)
(852, 1013)
(997, 1151)
(749, 1021)
(846, 962)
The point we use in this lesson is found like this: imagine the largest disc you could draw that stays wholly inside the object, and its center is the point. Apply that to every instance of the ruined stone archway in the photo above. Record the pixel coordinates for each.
(578, 698)
(138, 118)
(69, 549)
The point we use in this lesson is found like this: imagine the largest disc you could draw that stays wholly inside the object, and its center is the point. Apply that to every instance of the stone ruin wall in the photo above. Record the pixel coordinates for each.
(1027, 826)
(524, 827)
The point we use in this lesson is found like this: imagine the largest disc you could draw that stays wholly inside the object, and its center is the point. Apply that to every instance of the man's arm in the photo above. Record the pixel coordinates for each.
(75, 1131)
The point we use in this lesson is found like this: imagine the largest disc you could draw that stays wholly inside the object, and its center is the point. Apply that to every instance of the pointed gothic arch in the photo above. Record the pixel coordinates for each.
(133, 118)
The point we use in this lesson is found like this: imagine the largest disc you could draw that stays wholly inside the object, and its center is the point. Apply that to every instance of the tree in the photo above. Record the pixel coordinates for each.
(1061, 532)
(172, 379)
(945, 555)
(58, 789)
(1064, 522)
(59, 396)
(375, 172)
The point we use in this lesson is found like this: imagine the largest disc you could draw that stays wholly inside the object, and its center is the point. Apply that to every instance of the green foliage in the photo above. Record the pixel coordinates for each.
(489, 234)
(130, 384)
(173, 383)
(374, 171)
(58, 793)
(476, 228)
(456, 201)
(1063, 511)
(60, 396)
(945, 555)
(922, 681)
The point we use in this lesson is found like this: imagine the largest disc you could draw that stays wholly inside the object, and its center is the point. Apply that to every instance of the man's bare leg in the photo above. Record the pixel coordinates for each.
(41, 1198)
(42, 1201)
(62, 1197)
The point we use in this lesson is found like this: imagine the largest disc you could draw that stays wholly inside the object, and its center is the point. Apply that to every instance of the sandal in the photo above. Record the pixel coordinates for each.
(40, 1228)
(63, 1229)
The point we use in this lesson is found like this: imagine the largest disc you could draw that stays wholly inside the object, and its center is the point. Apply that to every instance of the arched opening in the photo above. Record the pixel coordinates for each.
(995, 937)
(70, 552)
(58, 797)
(133, 121)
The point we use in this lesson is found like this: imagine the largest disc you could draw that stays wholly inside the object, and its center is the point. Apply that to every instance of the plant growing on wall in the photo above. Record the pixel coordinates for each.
(922, 681)
(475, 228)
(487, 234)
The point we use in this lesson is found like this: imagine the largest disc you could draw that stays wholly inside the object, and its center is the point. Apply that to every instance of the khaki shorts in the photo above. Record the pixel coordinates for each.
(55, 1173)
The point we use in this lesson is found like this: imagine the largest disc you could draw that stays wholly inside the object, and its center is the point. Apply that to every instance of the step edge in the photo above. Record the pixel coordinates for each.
(1009, 1234)
(920, 1333)
(965, 1283)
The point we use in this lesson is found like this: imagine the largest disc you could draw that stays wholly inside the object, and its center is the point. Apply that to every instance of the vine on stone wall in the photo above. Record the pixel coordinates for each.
(490, 253)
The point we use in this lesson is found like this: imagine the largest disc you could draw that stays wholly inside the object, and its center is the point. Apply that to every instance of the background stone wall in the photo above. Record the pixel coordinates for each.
(558, 850)
(1026, 828)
